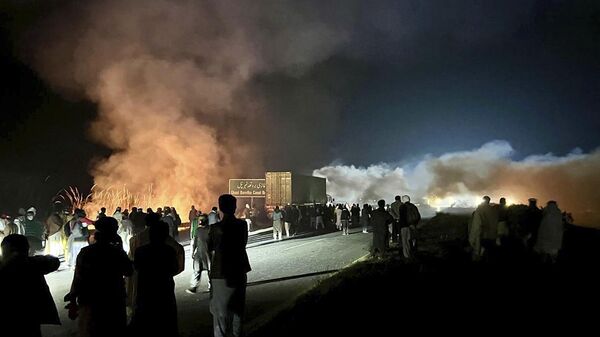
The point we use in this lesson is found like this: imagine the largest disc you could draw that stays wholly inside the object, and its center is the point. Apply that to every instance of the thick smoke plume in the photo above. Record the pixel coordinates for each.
(460, 179)
(191, 93)
(173, 81)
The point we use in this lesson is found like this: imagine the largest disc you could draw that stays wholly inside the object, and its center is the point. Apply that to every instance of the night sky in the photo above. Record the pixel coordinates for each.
(421, 78)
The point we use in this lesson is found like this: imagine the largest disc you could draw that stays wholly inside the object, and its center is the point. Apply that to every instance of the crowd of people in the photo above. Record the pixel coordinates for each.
(538, 230)
(124, 265)
(65, 232)
(123, 284)
(396, 222)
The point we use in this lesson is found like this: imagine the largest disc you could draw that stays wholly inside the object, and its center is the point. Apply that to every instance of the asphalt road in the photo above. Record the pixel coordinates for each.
(280, 271)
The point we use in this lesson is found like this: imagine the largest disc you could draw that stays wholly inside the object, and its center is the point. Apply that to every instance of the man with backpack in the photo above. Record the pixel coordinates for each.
(408, 221)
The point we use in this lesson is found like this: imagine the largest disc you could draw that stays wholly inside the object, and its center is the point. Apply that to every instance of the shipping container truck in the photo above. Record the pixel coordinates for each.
(287, 187)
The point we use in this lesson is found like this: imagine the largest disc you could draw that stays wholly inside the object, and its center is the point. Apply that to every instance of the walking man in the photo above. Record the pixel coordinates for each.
(200, 254)
(227, 241)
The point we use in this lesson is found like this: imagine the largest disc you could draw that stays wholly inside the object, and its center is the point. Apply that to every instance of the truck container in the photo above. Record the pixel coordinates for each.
(287, 187)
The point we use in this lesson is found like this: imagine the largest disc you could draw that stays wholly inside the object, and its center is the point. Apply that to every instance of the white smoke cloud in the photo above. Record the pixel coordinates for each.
(464, 177)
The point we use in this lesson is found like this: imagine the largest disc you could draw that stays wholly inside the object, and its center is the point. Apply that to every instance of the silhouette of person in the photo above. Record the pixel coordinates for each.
(407, 222)
(550, 232)
(227, 241)
(26, 299)
(531, 221)
(156, 263)
(380, 220)
(365, 218)
(355, 215)
(193, 214)
(34, 231)
(142, 239)
(200, 253)
(345, 220)
(484, 229)
(98, 289)
(395, 212)
(101, 214)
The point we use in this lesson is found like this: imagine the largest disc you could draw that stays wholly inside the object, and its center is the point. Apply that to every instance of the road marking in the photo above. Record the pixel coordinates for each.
(303, 244)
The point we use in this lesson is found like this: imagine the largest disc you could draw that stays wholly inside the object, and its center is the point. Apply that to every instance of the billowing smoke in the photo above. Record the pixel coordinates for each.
(460, 179)
(191, 93)
(174, 83)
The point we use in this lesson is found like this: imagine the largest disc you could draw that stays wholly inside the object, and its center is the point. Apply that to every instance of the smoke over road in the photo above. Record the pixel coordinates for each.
(462, 178)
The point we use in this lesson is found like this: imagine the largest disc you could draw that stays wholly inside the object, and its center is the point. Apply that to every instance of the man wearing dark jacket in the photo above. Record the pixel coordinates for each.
(98, 288)
(395, 212)
(380, 220)
(408, 221)
(532, 218)
(26, 300)
(227, 241)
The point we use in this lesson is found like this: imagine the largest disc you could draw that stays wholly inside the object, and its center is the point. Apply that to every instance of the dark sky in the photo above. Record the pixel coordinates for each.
(535, 84)
(430, 78)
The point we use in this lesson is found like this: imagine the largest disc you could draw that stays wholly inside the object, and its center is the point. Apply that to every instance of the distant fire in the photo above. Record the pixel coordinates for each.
(465, 201)
(113, 197)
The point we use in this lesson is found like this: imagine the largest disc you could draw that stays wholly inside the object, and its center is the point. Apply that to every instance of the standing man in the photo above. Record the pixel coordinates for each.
(503, 227)
(277, 224)
(142, 239)
(288, 217)
(319, 217)
(118, 215)
(550, 233)
(484, 229)
(193, 215)
(408, 221)
(101, 214)
(297, 216)
(380, 220)
(395, 212)
(345, 220)
(227, 241)
(338, 217)
(34, 231)
(532, 218)
(98, 287)
(200, 254)
(246, 216)
(26, 299)
(312, 213)
(365, 218)
(213, 217)
(170, 220)
(355, 215)
(54, 231)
